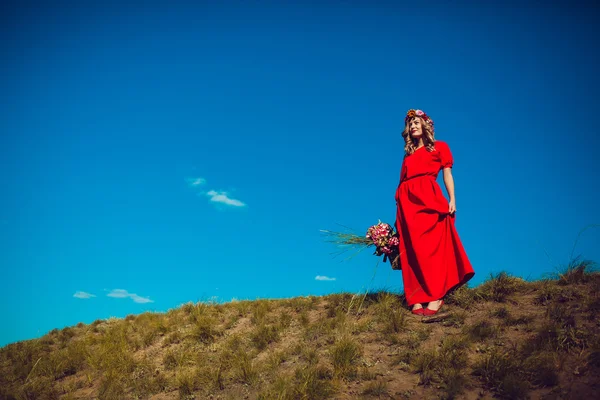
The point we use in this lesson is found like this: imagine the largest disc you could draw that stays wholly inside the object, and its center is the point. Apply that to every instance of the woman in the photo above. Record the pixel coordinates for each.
(431, 254)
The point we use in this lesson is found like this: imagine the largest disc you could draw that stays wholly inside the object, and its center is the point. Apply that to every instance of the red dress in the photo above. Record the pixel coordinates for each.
(432, 257)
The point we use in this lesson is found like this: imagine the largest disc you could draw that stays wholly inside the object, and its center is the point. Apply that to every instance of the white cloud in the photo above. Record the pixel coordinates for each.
(221, 197)
(140, 299)
(323, 278)
(215, 196)
(121, 294)
(195, 182)
(83, 295)
(118, 293)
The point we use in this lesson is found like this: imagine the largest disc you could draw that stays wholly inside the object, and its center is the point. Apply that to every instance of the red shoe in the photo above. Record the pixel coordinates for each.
(418, 311)
(429, 312)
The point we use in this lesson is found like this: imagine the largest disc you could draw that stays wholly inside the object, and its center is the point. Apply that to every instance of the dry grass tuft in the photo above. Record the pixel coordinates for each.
(204, 329)
(444, 366)
(576, 272)
(543, 368)
(148, 327)
(377, 388)
(260, 311)
(546, 291)
(187, 382)
(244, 368)
(179, 357)
(263, 335)
(345, 355)
(314, 382)
(456, 318)
(500, 370)
(559, 332)
(507, 319)
(480, 331)
(463, 297)
(339, 302)
(499, 287)
(390, 313)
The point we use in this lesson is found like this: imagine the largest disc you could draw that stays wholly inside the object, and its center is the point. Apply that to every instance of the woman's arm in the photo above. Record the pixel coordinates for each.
(449, 182)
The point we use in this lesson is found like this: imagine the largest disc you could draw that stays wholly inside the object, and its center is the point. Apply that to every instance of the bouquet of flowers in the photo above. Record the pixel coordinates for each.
(386, 243)
(381, 235)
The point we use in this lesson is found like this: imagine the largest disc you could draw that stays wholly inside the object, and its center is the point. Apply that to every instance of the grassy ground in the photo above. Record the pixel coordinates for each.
(506, 338)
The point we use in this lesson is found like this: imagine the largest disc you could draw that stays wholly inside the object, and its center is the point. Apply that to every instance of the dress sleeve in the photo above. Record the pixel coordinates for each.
(445, 155)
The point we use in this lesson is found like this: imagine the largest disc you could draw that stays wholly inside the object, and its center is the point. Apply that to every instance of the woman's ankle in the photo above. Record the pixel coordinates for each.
(436, 304)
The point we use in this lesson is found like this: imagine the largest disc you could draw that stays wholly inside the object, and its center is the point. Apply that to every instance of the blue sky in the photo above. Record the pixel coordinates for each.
(172, 153)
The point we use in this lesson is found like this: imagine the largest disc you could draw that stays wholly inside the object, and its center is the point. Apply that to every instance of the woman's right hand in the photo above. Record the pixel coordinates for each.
(451, 207)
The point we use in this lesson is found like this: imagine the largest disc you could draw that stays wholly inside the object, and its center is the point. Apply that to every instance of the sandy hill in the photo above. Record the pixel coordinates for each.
(506, 338)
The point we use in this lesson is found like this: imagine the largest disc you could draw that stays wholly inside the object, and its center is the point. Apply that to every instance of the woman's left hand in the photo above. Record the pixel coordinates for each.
(451, 207)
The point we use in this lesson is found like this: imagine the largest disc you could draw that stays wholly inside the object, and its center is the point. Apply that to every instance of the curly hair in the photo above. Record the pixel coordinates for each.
(428, 136)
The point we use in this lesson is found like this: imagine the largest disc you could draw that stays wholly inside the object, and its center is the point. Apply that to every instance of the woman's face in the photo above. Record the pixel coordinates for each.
(415, 128)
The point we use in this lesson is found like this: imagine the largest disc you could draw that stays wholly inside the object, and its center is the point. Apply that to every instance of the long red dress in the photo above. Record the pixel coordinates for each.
(432, 256)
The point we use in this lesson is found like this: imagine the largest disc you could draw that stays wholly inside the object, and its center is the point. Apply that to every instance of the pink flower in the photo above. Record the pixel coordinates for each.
(419, 113)
(381, 234)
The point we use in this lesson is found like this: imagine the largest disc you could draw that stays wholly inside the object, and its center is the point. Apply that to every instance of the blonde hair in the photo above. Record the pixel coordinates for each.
(428, 137)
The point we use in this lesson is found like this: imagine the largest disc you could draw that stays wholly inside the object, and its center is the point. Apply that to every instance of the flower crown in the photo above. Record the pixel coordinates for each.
(418, 113)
